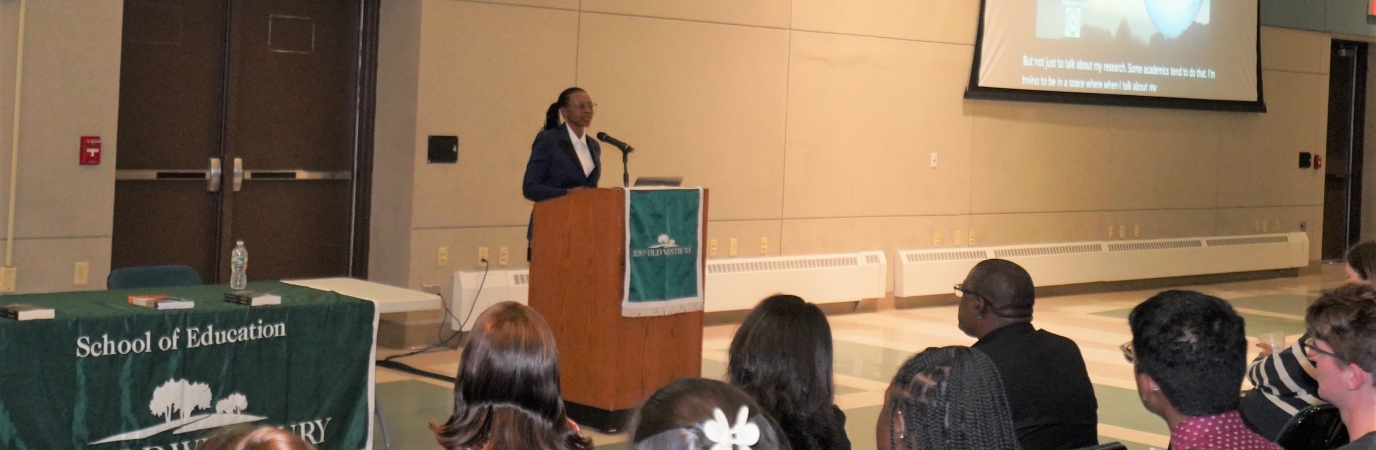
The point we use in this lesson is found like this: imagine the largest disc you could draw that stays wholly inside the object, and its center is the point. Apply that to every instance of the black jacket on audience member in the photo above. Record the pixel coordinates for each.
(1048, 387)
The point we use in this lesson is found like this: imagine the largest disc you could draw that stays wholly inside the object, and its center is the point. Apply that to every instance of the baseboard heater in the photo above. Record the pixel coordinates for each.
(928, 272)
(732, 284)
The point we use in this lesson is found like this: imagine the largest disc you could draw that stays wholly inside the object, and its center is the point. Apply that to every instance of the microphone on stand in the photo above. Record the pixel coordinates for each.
(615, 143)
(626, 150)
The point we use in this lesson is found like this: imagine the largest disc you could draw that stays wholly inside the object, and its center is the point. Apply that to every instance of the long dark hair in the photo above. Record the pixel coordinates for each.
(951, 398)
(781, 356)
(507, 395)
(673, 417)
(552, 114)
(1362, 259)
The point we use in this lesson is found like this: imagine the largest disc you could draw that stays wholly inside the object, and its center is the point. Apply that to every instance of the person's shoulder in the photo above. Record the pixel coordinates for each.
(1056, 339)
(552, 134)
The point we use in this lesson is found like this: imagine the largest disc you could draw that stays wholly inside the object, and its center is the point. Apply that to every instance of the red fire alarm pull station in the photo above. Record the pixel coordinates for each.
(90, 150)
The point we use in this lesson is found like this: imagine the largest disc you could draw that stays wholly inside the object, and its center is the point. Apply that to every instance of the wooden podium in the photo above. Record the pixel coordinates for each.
(608, 364)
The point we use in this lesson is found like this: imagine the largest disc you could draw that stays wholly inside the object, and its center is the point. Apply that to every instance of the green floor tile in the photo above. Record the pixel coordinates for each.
(1255, 324)
(867, 361)
(1123, 408)
(408, 407)
(1280, 303)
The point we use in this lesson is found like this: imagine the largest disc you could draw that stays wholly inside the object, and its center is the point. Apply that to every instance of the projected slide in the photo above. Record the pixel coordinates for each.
(1182, 49)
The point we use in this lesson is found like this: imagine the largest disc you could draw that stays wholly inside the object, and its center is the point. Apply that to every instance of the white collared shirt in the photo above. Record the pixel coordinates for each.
(580, 146)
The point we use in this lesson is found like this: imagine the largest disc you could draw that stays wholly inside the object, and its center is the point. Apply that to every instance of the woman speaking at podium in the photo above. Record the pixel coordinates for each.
(563, 158)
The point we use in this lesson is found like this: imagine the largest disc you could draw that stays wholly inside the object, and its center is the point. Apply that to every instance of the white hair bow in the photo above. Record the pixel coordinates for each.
(724, 436)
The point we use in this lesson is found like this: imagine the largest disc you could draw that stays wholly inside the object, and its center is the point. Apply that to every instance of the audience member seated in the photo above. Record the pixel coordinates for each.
(702, 414)
(1361, 262)
(1343, 346)
(1189, 353)
(946, 398)
(1282, 380)
(996, 307)
(781, 356)
(507, 394)
(247, 437)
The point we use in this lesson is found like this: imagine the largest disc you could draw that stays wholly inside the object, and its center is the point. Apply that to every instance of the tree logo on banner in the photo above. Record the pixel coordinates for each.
(665, 242)
(177, 403)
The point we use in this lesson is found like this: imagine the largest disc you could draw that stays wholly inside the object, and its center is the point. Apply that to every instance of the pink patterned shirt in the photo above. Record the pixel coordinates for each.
(1223, 431)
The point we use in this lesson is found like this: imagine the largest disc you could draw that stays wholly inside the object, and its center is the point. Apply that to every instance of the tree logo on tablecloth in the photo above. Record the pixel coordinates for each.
(177, 403)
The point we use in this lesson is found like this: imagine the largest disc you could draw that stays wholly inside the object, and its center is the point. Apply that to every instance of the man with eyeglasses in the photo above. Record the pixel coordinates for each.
(1043, 374)
(1189, 354)
(1342, 326)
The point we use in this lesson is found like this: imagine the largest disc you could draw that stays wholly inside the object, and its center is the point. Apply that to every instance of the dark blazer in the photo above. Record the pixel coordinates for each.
(1048, 387)
(554, 168)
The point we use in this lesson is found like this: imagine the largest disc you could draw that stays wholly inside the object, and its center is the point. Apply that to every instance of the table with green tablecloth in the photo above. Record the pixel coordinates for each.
(105, 374)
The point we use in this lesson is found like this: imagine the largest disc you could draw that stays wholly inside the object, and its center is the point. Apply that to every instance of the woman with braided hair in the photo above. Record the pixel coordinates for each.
(948, 398)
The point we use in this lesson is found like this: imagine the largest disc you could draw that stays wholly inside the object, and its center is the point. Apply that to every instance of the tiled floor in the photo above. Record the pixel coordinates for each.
(870, 347)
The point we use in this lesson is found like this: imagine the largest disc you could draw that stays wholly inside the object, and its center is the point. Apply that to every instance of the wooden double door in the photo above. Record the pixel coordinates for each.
(245, 120)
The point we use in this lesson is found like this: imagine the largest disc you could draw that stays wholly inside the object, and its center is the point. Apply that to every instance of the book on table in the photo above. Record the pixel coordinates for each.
(253, 298)
(25, 311)
(160, 301)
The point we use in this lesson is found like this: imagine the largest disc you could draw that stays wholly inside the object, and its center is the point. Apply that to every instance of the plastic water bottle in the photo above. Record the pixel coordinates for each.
(238, 263)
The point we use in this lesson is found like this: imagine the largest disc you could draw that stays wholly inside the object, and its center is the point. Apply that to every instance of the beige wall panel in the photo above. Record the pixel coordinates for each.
(1257, 163)
(747, 234)
(9, 35)
(463, 246)
(702, 101)
(1294, 51)
(864, 116)
(763, 13)
(1234, 221)
(1162, 159)
(815, 236)
(1159, 224)
(487, 73)
(1034, 157)
(49, 265)
(71, 89)
(992, 230)
(394, 142)
(557, 4)
(951, 21)
(889, 234)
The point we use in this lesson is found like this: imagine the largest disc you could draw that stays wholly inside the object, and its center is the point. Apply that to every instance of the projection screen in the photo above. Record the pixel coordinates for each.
(1193, 54)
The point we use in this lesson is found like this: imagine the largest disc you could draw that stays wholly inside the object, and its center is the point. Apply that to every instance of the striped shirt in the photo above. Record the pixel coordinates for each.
(1286, 378)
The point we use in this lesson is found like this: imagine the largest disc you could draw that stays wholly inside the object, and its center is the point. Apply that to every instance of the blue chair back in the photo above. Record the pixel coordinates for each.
(1317, 427)
(152, 277)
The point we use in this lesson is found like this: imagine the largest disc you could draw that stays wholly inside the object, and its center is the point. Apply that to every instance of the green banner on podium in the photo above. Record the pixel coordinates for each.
(663, 241)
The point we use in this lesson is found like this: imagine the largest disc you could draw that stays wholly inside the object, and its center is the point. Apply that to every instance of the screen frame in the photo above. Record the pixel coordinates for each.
(973, 91)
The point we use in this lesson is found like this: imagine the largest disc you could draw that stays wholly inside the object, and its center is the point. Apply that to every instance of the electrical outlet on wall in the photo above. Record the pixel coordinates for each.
(482, 254)
(442, 257)
(972, 238)
(956, 240)
(9, 279)
(1136, 231)
(711, 247)
(936, 239)
(502, 255)
(82, 273)
(733, 246)
(764, 246)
